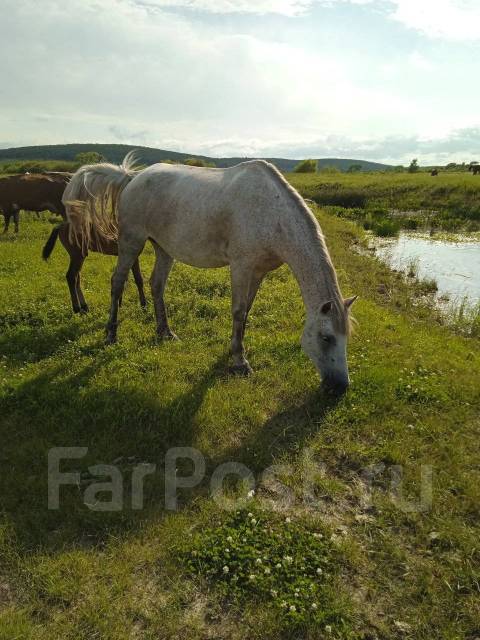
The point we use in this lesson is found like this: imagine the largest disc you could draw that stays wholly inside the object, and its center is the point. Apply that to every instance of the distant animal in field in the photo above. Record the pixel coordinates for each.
(32, 192)
(434, 172)
(474, 168)
(247, 217)
(78, 252)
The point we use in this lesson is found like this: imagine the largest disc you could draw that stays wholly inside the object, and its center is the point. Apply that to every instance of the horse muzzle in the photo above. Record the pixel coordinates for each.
(336, 385)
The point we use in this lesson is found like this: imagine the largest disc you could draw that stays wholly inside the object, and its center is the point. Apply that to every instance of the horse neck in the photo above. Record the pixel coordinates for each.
(307, 256)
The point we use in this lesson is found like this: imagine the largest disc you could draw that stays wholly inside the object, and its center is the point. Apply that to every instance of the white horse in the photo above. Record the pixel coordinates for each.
(247, 217)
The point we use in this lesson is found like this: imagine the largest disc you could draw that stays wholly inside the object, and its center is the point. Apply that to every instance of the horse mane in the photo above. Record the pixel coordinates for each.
(342, 320)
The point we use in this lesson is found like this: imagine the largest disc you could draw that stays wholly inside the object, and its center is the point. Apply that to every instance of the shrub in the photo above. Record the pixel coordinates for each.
(336, 196)
(413, 168)
(306, 166)
(329, 170)
(89, 157)
(385, 227)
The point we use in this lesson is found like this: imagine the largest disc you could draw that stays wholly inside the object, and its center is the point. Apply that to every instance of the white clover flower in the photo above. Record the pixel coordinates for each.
(284, 604)
(328, 629)
(258, 561)
(318, 536)
(229, 539)
(288, 559)
(250, 515)
(319, 571)
(251, 493)
(226, 569)
(287, 520)
(314, 606)
(244, 539)
(252, 576)
(267, 571)
(274, 593)
(227, 550)
(278, 565)
(293, 608)
(253, 521)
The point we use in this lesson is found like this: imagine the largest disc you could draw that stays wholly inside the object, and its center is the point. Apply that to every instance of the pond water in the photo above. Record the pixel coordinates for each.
(455, 266)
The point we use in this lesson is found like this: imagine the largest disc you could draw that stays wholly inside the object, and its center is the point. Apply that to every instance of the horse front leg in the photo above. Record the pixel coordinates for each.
(7, 215)
(158, 281)
(245, 284)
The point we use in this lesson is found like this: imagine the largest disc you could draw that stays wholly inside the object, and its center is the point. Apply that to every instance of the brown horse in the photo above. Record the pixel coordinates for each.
(78, 254)
(32, 192)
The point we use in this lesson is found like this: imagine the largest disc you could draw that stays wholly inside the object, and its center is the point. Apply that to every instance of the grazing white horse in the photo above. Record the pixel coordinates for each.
(247, 217)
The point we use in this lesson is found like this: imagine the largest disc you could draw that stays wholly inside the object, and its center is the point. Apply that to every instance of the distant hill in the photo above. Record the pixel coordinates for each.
(148, 155)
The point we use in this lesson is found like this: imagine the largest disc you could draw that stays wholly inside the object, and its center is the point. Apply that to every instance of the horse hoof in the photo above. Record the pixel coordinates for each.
(110, 339)
(241, 370)
(84, 308)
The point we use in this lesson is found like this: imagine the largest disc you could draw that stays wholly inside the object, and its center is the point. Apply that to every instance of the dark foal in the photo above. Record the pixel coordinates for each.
(77, 257)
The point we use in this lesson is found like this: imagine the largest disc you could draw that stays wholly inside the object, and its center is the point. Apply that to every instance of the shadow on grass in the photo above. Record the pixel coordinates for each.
(121, 425)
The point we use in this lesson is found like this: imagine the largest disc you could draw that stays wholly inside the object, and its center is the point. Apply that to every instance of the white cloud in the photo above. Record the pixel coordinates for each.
(419, 61)
(450, 19)
(259, 7)
(118, 71)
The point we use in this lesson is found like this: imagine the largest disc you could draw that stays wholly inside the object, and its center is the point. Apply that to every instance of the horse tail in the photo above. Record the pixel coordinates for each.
(91, 199)
(50, 243)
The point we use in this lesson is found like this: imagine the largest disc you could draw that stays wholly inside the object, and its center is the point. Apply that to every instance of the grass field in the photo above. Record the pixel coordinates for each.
(374, 563)
(386, 202)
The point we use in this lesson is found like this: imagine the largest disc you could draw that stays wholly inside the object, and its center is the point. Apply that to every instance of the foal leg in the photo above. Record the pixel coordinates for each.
(137, 276)
(81, 298)
(128, 251)
(71, 275)
(245, 284)
(16, 215)
(158, 280)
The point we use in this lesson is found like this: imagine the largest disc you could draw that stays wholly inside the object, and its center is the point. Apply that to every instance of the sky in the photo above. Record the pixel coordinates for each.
(381, 80)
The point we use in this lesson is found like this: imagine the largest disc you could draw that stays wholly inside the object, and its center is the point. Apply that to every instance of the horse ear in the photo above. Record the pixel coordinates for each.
(327, 307)
(349, 301)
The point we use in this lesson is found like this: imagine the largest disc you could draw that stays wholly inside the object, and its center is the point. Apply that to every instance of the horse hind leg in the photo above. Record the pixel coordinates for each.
(158, 281)
(81, 298)
(128, 251)
(137, 276)
(71, 276)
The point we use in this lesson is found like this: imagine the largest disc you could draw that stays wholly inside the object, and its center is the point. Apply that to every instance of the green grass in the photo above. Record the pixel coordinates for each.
(448, 202)
(414, 400)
